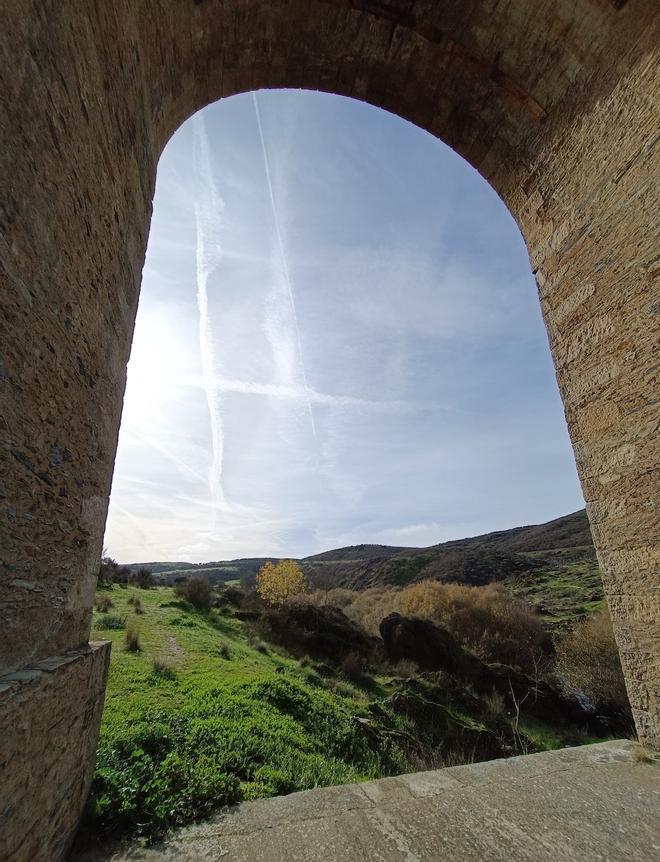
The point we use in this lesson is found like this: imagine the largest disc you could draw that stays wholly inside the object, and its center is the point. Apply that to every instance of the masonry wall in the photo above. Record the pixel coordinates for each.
(553, 102)
(49, 722)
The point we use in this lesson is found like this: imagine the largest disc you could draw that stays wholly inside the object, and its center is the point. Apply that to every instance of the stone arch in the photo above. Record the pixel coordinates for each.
(554, 103)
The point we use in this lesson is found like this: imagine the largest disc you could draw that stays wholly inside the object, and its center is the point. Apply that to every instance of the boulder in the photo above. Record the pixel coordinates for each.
(430, 646)
(324, 633)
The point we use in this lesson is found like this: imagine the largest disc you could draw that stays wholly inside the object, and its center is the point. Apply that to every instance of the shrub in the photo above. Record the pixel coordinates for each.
(110, 622)
(353, 666)
(511, 633)
(143, 578)
(225, 652)
(196, 591)
(324, 633)
(494, 706)
(486, 620)
(277, 582)
(132, 640)
(164, 767)
(368, 607)
(229, 597)
(405, 668)
(144, 783)
(136, 602)
(107, 570)
(588, 662)
(162, 667)
(103, 604)
(110, 572)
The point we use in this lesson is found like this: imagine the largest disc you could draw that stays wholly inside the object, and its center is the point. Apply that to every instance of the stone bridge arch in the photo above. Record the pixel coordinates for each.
(555, 103)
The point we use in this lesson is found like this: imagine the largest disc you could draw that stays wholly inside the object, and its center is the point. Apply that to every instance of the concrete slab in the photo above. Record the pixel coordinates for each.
(595, 802)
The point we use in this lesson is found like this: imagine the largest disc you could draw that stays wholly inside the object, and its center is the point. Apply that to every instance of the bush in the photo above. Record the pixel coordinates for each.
(165, 767)
(368, 607)
(103, 604)
(511, 632)
(110, 572)
(136, 602)
(196, 591)
(162, 667)
(278, 582)
(406, 668)
(588, 662)
(225, 652)
(229, 597)
(142, 578)
(145, 782)
(324, 633)
(353, 666)
(110, 622)
(132, 640)
(485, 619)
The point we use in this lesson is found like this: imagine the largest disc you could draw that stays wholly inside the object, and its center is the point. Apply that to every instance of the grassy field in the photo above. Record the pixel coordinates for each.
(203, 715)
(200, 712)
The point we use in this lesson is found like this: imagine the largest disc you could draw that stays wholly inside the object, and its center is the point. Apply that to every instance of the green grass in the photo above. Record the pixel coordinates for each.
(546, 737)
(564, 593)
(214, 729)
(203, 715)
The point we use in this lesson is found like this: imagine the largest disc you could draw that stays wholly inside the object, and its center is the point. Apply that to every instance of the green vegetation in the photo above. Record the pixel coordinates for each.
(277, 582)
(205, 709)
(394, 660)
(109, 622)
(561, 593)
(200, 717)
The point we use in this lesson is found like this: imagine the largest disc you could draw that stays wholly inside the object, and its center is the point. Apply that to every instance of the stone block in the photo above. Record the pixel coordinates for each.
(50, 714)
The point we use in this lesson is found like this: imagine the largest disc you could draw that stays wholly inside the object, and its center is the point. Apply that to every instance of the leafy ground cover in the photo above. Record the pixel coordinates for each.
(562, 591)
(201, 712)
(202, 715)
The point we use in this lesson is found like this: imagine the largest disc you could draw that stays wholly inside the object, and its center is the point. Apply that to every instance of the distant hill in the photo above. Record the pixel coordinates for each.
(552, 565)
(352, 553)
(478, 560)
(218, 572)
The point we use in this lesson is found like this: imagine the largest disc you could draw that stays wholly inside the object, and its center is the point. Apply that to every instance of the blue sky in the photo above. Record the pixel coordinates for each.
(338, 341)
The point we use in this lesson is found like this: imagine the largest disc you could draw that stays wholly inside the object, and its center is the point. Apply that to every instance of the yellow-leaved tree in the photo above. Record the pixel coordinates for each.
(276, 582)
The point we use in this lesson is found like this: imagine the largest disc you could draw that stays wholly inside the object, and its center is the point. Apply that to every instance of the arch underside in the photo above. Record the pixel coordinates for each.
(555, 103)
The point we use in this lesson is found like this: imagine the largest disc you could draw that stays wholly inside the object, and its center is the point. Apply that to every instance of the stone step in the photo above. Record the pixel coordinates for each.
(593, 802)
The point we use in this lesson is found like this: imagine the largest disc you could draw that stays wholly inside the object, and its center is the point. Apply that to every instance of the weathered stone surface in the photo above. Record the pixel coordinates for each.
(49, 722)
(555, 103)
(582, 804)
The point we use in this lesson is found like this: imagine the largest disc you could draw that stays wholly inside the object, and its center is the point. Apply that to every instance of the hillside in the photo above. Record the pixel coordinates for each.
(204, 709)
(218, 572)
(477, 560)
(552, 565)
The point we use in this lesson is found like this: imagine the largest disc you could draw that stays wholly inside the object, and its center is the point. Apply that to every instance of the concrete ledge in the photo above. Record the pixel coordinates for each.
(593, 802)
(50, 714)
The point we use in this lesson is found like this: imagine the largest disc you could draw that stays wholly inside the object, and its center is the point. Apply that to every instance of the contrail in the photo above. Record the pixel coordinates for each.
(208, 207)
(165, 452)
(283, 258)
(278, 390)
(142, 537)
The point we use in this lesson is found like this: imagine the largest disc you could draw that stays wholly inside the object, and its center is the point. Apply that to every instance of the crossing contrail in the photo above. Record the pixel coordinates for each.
(208, 224)
(284, 264)
(294, 392)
